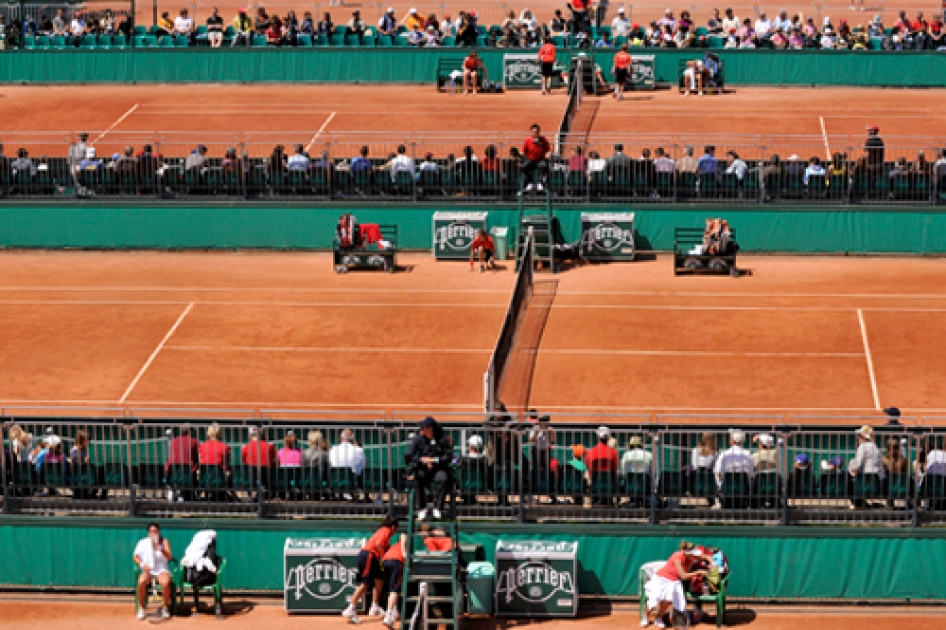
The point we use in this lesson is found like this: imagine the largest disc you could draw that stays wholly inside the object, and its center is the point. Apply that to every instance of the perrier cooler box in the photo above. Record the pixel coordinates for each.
(607, 236)
(320, 573)
(536, 578)
(454, 233)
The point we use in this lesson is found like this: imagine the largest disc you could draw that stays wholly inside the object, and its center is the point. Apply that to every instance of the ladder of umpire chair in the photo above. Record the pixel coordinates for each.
(539, 216)
(441, 571)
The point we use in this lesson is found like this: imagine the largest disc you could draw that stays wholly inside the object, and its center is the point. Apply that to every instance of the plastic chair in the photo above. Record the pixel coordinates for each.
(181, 586)
(719, 599)
(154, 593)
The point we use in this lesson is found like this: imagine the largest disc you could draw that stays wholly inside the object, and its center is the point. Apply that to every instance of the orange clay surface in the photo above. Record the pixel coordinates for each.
(89, 613)
(802, 336)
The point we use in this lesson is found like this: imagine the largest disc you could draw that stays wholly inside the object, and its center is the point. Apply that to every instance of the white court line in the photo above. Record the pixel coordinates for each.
(319, 132)
(870, 361)
(117, 122)
(329, 349)
(824, 134)
(156, 351)
(700, 353)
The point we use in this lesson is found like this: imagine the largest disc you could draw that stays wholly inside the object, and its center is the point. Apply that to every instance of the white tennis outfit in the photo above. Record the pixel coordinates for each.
(152, 557)
(660, 589)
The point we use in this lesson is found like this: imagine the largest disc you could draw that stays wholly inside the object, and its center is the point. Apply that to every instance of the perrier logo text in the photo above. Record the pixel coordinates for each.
(609, 236)
(534, 581)
(456, 236)
(321, 578)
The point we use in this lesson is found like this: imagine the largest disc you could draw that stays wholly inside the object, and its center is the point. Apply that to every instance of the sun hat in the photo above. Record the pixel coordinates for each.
(766, 440)
(635, 441)
(865, 432)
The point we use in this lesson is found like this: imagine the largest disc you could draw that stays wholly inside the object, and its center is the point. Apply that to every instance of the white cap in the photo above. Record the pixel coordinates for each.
(413, 11)
(90, 152)
(621, 10)
(253, 430)
(766, 440)
(475, 441)
(390, 9)
(603, 432)
(53, 440)
(737, 436)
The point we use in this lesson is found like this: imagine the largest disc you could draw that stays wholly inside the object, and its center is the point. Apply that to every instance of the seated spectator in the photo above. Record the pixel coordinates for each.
(735, 459)
(183, 450)
(704, 454)
(747, 35)
(618, 163)
(939, 167)
(184, 25)
(602, 458)
(326, 27)
(148, 162)
(307, 27)
(231, 162)
(213, 452)
(289, 455)
(60, 25)
(22, 163)
(596, 164)
(243, 29)
(829, 39)
(430, 455)
(474, 454)
(732, 39)
(509, 38)
(708, 164)
(360, 162)
(80, 448)
(604, 41)
(415, 37)
(731, 22)
(90, 163)
(446, 27)
(21, 443)
(402, 163)
(637, 459)
(316, 455)
(576, 161)
(921, 166)
(466, 31)
(356, 26)
(387, 25)
(662, 163)
(274, 34)
(215, 28)
(491, 162)
(893, 460)
(558, 25)
(796, 40)
(78, 28)
(620, 25)
(165, 25)
(412, 21)
(431, 38)
(778, 40)
(688, 163)
(263, 21)
(290, 29)
(197, 160)
(347, 454)
(763, 27)
(258, 452)
(902, 168)
(277, 163)
(468, 168)
(766, 458)
(814, 168)
(428, 165)
(298, 161)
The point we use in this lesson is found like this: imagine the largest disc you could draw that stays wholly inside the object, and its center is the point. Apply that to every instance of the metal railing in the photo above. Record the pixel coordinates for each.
(476, 167)
(663, 469)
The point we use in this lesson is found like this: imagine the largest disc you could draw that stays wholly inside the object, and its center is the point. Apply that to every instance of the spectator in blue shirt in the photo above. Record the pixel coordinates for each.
(361, 163)
(707, 164)
(814, 168)
(604, 41)
(90, 163)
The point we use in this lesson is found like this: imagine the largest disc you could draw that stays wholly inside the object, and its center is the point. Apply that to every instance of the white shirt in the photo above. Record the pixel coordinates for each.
(528, 19)
(936, 463)
(402, 163)
(636, 460)
(596, 166)
(78, 26)
(762, 27)
(779, 23)
(735, 459)
(298, 162)
(183, 25)
(428, 166)
(734, 23)
(151, 557)
(620, 26)
(446, 27)
(867, 461)
(347, 455)
(699, 460)
(738, 167)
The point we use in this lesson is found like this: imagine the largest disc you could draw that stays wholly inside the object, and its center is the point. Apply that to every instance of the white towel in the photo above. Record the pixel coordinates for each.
(194, 556)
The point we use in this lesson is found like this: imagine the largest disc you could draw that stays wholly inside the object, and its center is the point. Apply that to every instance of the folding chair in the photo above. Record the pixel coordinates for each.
(181, 586)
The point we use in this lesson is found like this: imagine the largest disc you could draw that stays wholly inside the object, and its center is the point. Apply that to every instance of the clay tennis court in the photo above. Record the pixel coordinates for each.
(34, 613)
(258, 330)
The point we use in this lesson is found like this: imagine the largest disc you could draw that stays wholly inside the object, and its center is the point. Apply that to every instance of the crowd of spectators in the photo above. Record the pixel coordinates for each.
(516, 30)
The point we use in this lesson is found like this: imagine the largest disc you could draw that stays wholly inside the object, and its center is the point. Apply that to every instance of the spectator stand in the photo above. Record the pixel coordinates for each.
(689, 254)
(380, 255)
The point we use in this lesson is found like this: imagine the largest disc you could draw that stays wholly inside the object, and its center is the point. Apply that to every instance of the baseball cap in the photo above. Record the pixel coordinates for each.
(873, 128)
(603, 432)
(253, 430)
(53, 440)
(241, 11)
(413, 11)
(766, 440)
(621, 10)
(428, 156)
(892, 411)
(578, 451)
(475, 441)
(427, 422)
(802, 460)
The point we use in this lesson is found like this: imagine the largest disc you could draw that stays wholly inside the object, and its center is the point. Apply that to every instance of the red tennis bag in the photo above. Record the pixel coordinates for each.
(347, 232)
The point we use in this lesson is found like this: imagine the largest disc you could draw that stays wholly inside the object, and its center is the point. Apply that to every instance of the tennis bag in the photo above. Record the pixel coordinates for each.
(201, 576)
(346, 232)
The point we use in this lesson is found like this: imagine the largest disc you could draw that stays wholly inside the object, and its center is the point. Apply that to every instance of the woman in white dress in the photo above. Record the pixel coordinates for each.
(665, 590)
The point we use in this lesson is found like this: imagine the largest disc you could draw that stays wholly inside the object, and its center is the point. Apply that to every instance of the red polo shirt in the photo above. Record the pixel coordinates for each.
(259, 453)
(602, 458)
(536, 150)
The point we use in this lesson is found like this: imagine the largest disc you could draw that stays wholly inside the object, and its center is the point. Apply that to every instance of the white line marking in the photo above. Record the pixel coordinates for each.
(870, 362)
(319, 132)
(703, 353)
(198, 348)
(117, 122)
(824, 134)
(697, 408)
(156, 351)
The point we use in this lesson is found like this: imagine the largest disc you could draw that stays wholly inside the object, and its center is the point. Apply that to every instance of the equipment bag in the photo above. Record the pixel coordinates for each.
(347, 232)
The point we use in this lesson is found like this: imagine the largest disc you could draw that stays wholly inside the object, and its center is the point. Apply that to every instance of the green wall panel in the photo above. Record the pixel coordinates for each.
(851, 229)
(378, 65)
(767, 563)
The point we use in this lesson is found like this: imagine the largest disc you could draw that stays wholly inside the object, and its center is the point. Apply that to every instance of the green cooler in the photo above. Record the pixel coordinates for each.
(536, 578)
(320, 573)
(479, 588)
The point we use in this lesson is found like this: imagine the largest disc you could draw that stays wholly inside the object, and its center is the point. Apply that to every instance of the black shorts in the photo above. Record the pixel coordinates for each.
(620, 76)
(369, 568)
(487, 254)
(548, 69)
(394, 569)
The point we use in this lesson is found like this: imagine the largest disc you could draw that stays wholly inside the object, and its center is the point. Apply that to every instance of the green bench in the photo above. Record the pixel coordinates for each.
(445, 67)
(685, 239)
(370, 257)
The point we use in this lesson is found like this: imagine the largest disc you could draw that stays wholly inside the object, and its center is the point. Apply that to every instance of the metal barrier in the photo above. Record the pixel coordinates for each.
(616, 469)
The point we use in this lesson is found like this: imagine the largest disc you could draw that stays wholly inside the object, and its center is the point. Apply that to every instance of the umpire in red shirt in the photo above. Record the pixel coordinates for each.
(535, 151)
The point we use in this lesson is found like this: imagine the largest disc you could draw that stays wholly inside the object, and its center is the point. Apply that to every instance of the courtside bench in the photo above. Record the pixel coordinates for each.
(446, 67)
(368, 257)
(686, 239)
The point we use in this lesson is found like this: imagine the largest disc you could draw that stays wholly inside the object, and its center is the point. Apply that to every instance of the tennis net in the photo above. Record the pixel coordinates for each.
(575, 91)
(521, 294)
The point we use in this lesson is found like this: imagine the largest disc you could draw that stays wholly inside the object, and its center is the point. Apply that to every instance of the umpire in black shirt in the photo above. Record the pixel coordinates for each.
(874, 148)
(430, 455)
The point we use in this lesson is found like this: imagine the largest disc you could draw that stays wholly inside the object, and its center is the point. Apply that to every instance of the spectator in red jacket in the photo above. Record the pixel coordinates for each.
(535, 151)
(258, 452)
(602, 458)
(183, 450)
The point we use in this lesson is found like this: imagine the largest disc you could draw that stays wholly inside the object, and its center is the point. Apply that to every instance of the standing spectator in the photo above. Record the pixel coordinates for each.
(766, 458)
(289, 455)
(316, 455)
(708, 164)
(714, 26)
(472, 67)
(602, 458)
(737, 165)
(430, 455)
(735, 459)
(874, 148)
(290, 28)
(258, 452)
(356, 26)
(621, 25)
(688, 163)
(637, 459)
(466, 31)
(326, 27)
(213, 452)
(667, 20)
(215, 28)
(704, 454)
(243, 29)
(558, 24)
(781, 22)
(546, 58)
(347, 454)
(412, 20)
(763, 27)
(183, 450)
(298, 161)
(152, 555)
(184, 26)
(535, 165)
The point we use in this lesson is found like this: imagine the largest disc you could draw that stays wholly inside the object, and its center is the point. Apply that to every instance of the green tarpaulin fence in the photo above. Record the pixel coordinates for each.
(346, 65)
(782, 564)
(171, 225)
